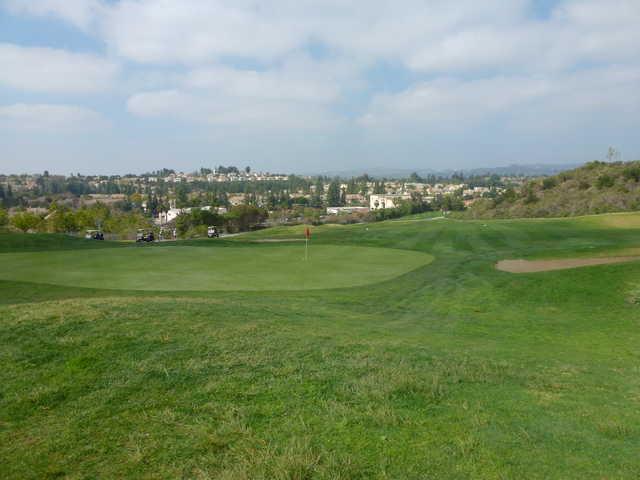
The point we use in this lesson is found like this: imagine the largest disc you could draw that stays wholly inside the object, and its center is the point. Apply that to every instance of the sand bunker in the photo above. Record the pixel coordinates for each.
(530, 266)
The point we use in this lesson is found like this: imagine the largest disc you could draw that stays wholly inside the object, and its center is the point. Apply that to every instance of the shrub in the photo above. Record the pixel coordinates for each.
(594, 164)
(563, 177)
(25, 221)
(632, 173)
(548, 183)
(605, 181)
(529, 194)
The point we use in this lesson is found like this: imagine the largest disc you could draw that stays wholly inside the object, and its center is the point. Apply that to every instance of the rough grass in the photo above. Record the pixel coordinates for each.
(453, 370)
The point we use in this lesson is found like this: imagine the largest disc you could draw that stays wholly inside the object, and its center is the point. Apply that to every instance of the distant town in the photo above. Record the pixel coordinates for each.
(168, 198)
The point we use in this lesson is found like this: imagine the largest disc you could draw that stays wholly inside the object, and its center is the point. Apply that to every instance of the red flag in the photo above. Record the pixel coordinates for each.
(307, 233)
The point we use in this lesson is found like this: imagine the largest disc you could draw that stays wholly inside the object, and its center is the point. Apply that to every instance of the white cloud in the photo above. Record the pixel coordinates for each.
(161, 103)
(296, 94)
(81, 13)
(554, 101)
(52, 70)
(297, 79)
(248, 114)
(50, 118)
(167, 31)
(430, 36)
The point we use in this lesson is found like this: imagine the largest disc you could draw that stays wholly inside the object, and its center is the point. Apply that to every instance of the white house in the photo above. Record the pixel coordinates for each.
(339, 210)
(165, 217)
(377, 202)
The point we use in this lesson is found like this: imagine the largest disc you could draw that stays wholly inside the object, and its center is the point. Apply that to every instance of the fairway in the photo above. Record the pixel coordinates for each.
(208, 268)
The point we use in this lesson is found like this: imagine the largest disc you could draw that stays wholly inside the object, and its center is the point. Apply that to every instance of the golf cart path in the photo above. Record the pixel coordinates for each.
(532, 266)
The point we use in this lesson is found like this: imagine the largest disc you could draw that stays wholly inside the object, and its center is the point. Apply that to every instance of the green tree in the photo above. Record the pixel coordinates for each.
(25, 221)
(182, 196)
(65, 221)
(4, 217)
(316, 198)
(243, 217)
(333, 194)
(184, 222)
(415, 178)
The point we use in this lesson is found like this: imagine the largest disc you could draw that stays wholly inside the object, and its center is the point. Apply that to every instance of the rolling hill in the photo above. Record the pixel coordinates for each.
(596, 187)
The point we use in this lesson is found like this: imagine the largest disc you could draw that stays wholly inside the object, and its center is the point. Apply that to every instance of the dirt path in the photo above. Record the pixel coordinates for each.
(530, 266)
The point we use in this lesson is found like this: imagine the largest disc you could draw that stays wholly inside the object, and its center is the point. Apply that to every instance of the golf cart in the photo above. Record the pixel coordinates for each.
(144, 235)
(212, 232)
(94, 235)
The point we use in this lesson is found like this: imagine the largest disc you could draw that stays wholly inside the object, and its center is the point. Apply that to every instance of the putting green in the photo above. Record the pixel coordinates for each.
(172, 268)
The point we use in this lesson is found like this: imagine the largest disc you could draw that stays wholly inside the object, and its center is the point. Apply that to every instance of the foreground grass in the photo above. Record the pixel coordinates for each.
(453, 370)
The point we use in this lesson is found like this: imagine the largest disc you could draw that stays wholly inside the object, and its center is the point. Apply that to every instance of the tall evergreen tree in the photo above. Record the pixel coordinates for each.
(333, 194)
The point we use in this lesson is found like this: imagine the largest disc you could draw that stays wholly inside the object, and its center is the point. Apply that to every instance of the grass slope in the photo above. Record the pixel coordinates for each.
(453, 370)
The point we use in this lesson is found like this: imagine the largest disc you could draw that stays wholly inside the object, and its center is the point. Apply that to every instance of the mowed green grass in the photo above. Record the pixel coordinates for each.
(450, 370)
(273, 267)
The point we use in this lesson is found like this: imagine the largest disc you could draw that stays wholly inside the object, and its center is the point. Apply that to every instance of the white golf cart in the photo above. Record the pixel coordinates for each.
(144, 235)
(94, 235)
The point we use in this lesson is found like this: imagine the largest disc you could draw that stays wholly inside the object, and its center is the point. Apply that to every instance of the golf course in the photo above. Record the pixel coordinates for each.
(395, 350)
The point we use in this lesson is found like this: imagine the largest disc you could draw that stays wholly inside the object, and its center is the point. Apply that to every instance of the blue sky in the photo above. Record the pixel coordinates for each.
(97, 86)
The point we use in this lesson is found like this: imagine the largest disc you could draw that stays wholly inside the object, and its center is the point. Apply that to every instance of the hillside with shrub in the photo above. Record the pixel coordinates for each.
(596, 187)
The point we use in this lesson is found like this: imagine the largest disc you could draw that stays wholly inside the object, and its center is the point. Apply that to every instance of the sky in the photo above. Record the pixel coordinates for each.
(118, 86)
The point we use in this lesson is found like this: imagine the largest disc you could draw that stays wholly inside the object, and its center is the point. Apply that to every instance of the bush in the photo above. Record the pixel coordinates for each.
(593, 165)
(605, 181)
(193, 221)
(243, 217)
(564, 177)
(548, 183)
(529, 194)
(25, 221)
(632, 173)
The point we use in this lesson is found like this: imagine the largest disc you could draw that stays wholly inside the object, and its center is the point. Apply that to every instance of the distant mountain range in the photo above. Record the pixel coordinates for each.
(531, 170)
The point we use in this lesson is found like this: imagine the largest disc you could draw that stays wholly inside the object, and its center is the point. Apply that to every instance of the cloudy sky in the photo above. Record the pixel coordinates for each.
(114, 86)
